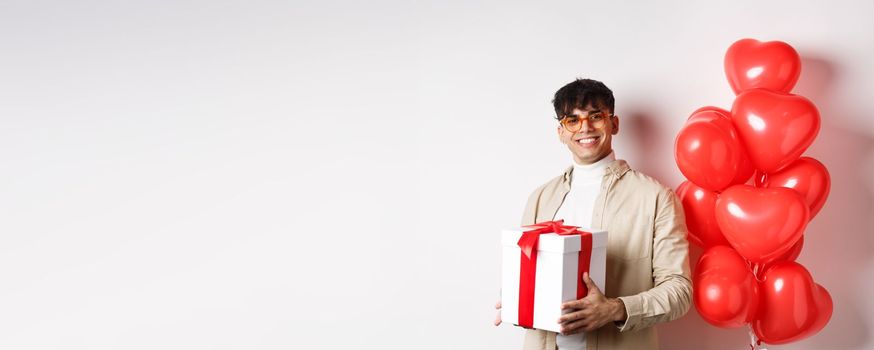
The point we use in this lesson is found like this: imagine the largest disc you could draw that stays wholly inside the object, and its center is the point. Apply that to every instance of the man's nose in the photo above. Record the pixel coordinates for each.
(585, 126)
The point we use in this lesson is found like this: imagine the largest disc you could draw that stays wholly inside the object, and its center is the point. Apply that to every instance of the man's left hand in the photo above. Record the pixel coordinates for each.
(590, 312)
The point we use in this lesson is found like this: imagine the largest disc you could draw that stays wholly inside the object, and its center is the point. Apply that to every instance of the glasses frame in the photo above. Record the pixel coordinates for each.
(596, 124)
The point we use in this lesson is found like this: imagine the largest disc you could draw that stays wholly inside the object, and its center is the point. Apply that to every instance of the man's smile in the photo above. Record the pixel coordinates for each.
(588, 141)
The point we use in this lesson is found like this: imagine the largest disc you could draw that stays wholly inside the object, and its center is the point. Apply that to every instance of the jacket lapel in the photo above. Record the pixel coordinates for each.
(550, 207)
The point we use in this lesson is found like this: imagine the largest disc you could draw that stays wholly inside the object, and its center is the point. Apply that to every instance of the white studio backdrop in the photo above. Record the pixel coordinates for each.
(288, 175)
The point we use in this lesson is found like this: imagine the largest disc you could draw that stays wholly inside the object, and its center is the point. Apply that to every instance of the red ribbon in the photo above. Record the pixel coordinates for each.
(528, 243)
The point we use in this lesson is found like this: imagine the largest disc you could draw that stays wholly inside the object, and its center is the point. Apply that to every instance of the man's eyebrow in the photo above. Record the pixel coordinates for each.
(593, 111)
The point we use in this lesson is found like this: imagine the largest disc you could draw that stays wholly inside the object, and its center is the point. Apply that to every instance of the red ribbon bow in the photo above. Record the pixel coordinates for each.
(528, 243)
(530, 239)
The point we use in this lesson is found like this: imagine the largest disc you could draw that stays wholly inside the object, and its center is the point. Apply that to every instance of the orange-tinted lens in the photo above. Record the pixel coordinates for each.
(597, 120)
(572, 124)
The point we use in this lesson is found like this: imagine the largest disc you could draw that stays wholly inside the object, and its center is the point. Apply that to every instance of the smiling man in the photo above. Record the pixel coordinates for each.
(647, 280)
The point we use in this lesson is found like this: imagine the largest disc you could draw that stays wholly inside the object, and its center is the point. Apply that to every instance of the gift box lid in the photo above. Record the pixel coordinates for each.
(552, 242)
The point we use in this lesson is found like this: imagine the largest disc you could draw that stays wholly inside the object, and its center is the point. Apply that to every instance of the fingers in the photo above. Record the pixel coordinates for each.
(573, 316)
(498, 317)
(593, 288)
(588, 280)
(574, 327)
(576, 304)
(573, 304)
(583, 321)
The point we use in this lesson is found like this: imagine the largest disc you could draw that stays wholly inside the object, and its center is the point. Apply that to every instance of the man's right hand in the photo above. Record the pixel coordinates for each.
(498, 317)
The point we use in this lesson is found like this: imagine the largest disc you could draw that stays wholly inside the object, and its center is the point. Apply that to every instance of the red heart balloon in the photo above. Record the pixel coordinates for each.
(699, 205)
(751, 64)
(807, 176)
(708, 150)
(725, 292)
(777, 128)
(793, 307)
(761, 223)
(789, 255)
(719, 112)
(745, 168)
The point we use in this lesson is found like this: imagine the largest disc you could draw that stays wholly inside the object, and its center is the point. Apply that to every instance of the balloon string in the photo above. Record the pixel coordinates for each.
(752, 339)
(754, 342)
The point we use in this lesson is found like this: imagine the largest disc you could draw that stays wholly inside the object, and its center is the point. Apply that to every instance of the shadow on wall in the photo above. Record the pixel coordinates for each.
(645, 136)
(838, 241)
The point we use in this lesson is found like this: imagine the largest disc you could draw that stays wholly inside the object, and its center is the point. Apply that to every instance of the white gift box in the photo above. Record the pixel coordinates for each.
(556, 274)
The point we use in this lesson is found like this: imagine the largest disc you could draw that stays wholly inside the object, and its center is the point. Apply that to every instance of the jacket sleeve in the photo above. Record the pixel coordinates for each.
(671, 295)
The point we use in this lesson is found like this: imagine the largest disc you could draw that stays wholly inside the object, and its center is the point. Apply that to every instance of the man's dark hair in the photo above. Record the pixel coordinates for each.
(579, 94)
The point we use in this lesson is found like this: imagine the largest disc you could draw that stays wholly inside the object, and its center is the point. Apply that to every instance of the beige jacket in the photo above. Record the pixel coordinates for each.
(647, 254)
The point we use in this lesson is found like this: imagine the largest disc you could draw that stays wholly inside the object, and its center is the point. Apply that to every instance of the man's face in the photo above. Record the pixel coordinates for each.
(593, 140)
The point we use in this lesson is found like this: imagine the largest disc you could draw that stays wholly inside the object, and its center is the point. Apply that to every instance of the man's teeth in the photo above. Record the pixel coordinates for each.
(588, 140)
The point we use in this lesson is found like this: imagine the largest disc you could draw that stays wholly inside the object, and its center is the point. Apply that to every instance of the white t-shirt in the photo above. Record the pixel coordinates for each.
(576, 210)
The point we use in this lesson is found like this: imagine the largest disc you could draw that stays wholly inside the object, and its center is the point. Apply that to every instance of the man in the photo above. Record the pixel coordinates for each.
(647, 280)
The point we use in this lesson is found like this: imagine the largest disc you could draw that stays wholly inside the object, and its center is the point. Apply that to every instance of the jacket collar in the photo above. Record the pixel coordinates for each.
(617, 168)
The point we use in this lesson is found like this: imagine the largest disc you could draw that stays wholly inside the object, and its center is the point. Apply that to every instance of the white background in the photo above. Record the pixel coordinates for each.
(275, 175)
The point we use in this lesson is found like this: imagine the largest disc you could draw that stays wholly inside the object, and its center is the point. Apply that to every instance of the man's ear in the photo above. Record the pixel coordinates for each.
(615, 121)
(558, 132)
